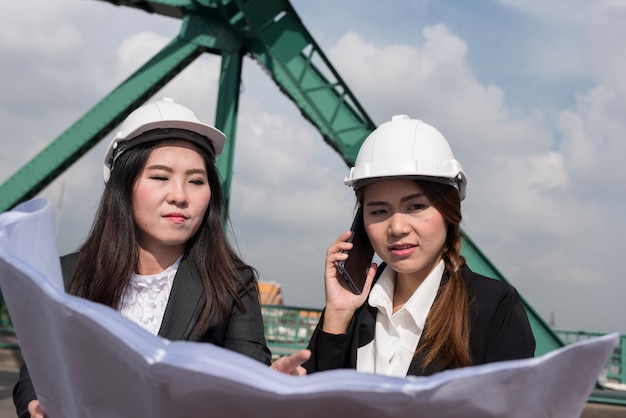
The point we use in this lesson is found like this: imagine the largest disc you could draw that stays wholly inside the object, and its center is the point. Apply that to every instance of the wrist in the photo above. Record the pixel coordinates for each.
(337, 321)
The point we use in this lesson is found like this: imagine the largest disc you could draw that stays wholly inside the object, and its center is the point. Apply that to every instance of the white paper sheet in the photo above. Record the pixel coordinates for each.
(86, 360)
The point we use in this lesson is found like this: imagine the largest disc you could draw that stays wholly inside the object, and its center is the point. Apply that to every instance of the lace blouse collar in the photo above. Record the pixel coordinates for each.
(146, 297)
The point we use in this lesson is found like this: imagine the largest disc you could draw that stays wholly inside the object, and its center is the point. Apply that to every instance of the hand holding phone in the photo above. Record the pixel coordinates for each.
(354, 269)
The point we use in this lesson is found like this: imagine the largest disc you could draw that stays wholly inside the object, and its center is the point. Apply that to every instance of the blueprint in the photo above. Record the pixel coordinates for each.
(86, 360)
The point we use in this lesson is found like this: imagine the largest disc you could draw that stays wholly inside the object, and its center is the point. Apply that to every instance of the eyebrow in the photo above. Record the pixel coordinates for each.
(402, 199)
(412, 196)
(169, 169)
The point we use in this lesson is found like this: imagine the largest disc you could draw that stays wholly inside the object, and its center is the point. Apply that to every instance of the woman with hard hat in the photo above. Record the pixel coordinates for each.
(422, 310)
(157, 251)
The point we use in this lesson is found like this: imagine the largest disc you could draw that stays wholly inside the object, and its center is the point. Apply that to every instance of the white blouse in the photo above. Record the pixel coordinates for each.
(146, 297)
(397, 334)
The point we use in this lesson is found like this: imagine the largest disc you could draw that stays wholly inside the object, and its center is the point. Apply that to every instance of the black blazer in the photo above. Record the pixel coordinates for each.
(498, 326)
(244, 333)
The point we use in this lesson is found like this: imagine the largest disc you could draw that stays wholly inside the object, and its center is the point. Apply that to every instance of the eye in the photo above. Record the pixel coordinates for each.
(197, 182)
(378, 212)
(416, 207)
(160, 178)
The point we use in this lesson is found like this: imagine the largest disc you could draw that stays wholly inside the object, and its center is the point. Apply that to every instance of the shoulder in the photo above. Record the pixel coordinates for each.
(486, 293)
(478, 282)
(245, 277)
(247, 274)
(247, 282)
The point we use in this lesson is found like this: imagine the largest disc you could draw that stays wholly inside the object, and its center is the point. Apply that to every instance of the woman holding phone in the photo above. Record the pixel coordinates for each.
(422, 310)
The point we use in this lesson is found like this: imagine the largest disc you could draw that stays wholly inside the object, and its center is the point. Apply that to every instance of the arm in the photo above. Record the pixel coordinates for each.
(245, 333)
(23, 393)
(510, 335)
(331, 340)
(328, 351)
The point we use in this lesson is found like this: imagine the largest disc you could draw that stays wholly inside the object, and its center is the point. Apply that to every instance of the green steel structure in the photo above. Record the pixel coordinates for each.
(271, 33)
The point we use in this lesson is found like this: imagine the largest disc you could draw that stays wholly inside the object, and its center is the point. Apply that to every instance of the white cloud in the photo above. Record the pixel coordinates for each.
(605, 35)
(138, 49)
(39, 27)
(375, 74)
(534, 174)
(593, 129)
(433, 82)
(281, 174)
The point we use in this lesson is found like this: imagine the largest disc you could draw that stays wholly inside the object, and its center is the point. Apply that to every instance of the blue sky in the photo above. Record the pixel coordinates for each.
(530, 94)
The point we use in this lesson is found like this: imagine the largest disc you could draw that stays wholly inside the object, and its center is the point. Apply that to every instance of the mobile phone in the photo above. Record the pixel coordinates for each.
(354, 269)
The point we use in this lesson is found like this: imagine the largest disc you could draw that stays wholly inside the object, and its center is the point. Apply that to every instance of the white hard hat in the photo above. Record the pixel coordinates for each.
(161, 118)
(405, 147)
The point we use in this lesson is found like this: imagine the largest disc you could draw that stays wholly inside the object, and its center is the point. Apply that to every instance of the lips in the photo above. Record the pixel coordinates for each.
(176, 217)
(401, 247)
(402, 250)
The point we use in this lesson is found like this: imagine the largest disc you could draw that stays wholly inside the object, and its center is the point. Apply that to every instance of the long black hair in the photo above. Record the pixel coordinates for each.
(110, 254)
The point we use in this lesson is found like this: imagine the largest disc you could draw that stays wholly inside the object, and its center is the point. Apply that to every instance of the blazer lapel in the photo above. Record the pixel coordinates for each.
(416, 368)
(184, 305)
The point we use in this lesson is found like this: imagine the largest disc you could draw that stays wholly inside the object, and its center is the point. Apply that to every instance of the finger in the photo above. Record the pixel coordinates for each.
(296, 359)
(371, 273)
(337, 250)
(341, 240)
(344, 237)
(289, 364)
(300, 371)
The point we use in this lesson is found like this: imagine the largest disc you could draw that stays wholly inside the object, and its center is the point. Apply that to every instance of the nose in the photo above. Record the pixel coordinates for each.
(397, 225)
(177, 194)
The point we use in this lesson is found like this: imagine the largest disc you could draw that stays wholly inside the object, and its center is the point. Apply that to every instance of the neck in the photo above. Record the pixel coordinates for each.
(153, 262)
(407, 283)
(404, 288)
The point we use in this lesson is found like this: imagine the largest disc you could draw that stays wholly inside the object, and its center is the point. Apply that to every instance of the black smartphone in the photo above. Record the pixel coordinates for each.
(354, 269)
